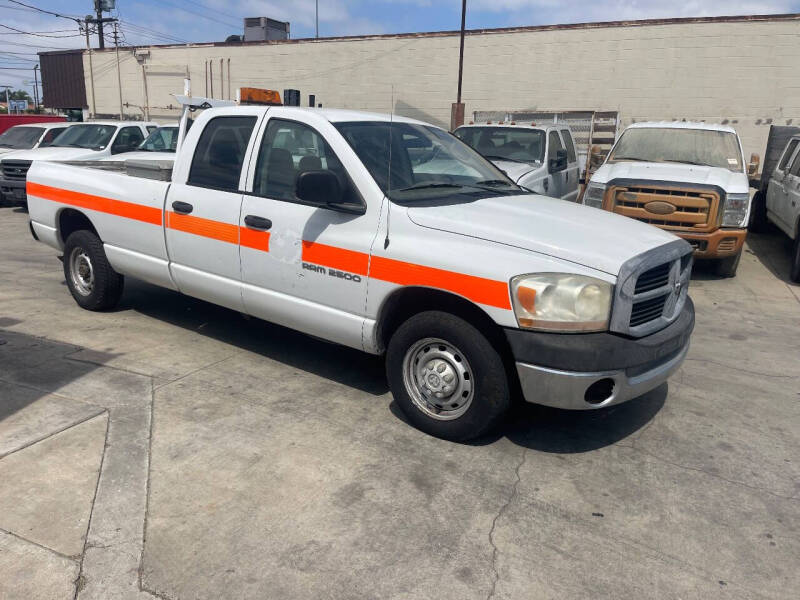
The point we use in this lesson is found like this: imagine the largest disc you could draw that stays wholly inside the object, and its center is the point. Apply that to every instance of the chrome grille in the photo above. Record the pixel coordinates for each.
(15, 169)
(652, 289)
(668, 208)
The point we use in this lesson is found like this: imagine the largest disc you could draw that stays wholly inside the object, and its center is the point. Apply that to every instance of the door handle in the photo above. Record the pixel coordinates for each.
(182, 208)
(255, 222)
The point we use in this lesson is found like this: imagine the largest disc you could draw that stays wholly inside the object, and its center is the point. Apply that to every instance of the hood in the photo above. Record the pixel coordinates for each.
(515, 170)
(729, 181)
(57, 154)
(140, 156)
(7, 151)
(587, 236)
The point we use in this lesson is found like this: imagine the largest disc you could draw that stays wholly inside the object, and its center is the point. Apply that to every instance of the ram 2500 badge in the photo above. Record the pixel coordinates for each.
(332, 223)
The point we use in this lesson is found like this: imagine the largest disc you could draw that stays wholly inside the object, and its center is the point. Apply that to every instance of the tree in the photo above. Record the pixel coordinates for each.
(19, 95)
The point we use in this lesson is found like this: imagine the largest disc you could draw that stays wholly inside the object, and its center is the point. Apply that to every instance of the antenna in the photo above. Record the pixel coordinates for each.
(389, 182)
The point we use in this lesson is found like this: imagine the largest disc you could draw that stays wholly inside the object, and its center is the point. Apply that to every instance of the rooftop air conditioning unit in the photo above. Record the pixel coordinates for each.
(261, 29)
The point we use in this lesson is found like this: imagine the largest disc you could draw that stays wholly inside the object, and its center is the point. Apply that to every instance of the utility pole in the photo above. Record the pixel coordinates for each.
(8, 101)
(36, 88)
(457, 110)
(317, 17)
(119, 76)
(98, 7)
(91, 69)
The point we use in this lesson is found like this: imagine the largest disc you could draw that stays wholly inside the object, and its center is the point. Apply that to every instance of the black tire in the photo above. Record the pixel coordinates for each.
(489, 383)
(107, 284)
(794, 273)
(758, 216)
(727, 267)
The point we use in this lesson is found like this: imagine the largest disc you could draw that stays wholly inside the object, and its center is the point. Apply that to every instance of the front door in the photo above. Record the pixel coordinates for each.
(573, 172)
(303, 266)
(202, 214)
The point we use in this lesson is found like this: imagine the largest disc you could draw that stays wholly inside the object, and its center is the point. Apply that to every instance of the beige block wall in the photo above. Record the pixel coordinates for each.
(743, 73)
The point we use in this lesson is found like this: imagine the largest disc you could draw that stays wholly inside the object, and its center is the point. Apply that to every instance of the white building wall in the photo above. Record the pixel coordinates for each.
(740, 72)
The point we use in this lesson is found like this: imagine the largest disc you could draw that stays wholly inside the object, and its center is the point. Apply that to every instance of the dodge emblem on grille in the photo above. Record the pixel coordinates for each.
(660, 208)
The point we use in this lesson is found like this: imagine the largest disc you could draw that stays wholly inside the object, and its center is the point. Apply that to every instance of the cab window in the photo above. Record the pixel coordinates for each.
(554, 144)
(289, 149)
(218, 158)
(788, 154)
(570, 144)
(795, 168)
(128, 139)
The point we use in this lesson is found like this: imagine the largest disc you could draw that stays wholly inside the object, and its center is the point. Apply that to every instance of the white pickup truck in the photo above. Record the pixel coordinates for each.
(319, 220)
(541, 158)
(687, 178)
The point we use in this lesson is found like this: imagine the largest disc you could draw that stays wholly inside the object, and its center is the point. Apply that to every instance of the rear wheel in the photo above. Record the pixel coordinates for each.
(727, 267)
(92, 281)
(795, 271)
(446, 377)
(758, 217)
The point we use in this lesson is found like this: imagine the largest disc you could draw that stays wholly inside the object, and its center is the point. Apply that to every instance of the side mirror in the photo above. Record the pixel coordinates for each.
(318, 188)
(559, 163)
(755, 163)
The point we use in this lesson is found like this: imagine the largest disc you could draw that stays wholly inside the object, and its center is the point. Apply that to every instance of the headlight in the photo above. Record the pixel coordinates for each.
(561, 302)
(593, 196)
(735, 210)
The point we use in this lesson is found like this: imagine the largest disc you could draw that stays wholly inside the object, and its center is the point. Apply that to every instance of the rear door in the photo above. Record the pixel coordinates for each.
(302, 266)
(572, 174)
(778, 189)
(202, 212)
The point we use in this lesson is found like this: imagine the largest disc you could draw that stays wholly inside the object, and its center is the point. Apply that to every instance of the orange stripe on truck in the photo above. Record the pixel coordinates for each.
(215, 230)
(337, 258)
(257, 240)
(137, 212)
(477, 289)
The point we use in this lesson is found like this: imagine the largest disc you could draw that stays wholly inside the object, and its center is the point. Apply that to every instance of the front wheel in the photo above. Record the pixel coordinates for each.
(446, 377)
(92, 281)
(727, 267)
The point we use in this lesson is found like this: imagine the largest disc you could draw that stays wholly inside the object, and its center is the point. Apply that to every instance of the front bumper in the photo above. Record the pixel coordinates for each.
(717, 244)
(13, 189)
(588, 371)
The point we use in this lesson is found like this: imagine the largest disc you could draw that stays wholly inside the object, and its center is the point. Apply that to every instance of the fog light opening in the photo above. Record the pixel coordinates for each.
(600, 391)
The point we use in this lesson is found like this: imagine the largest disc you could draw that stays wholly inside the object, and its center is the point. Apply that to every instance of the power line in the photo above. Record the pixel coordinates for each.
(47, 12)
(33, 33)
(192, 12)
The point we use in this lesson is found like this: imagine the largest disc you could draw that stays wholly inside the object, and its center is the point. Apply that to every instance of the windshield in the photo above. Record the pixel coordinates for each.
(20, 138)
(163, 139)
(690, 146)
(426, 163)
(93, 137)
(505, 143)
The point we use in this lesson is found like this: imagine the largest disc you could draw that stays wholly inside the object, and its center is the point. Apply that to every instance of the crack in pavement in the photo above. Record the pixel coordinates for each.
(500, 513)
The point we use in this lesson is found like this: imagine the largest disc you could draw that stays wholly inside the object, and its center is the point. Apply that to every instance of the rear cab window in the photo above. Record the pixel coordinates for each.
(218, 158)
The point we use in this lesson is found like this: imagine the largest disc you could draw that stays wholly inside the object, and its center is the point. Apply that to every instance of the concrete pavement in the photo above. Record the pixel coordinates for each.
(174, 449)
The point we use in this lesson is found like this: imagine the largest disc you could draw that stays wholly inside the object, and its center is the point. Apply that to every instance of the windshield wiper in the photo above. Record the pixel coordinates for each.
(433, 184)
(686, 162)
(491, 182)
(506, 158)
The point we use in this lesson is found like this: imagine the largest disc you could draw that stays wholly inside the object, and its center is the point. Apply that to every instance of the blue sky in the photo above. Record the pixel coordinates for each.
(165, 21)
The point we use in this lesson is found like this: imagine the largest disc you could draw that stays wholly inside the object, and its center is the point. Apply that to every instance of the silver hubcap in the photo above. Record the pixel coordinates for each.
(438, 378)
(81, 271)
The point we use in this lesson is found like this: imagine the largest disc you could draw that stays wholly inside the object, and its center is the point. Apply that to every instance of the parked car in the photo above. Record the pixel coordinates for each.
(687, 178)
(293, 215)
(540, 158)
(78, 142)
(28, 137)
(780, 203)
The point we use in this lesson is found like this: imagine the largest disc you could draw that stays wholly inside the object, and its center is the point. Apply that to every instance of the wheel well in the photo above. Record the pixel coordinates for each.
(405, 303)
(70, 221)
